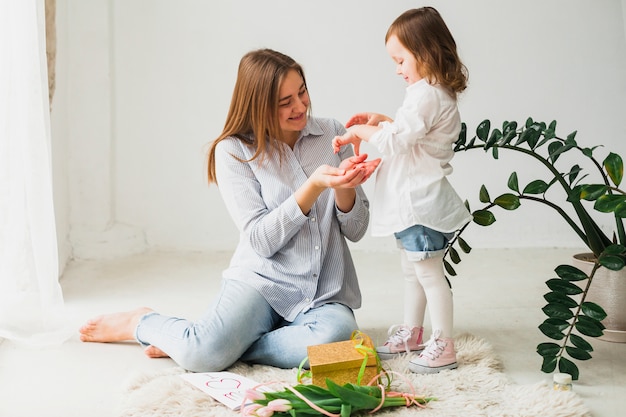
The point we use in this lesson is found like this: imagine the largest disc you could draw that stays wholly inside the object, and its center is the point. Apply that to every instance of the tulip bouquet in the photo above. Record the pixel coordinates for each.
(336, 401)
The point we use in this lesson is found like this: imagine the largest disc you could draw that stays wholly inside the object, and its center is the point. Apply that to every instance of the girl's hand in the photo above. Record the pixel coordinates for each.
(372, 119)
(359, 162)
(351, 173)
(346, 139)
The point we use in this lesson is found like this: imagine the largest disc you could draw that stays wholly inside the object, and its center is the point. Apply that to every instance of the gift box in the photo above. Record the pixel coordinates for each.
(343, 362)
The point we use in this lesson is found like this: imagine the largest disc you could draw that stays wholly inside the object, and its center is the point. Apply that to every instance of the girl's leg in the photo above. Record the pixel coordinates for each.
(234, 321)
(286, 346)
(414, 295)
(432, 277)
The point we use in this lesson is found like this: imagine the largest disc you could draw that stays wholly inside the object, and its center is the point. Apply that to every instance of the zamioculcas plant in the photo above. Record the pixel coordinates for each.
(571, 317)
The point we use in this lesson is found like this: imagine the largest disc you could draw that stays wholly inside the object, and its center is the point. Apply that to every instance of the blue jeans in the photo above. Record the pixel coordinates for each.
(421, 242)
(241, 325)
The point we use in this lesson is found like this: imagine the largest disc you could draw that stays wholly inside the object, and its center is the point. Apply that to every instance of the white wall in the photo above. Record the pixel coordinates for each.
(148, 84)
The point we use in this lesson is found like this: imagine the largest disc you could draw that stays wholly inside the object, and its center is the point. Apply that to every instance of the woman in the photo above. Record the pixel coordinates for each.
(291, 282)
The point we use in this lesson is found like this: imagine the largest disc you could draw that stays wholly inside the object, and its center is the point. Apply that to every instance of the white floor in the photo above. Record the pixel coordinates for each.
(498, 296)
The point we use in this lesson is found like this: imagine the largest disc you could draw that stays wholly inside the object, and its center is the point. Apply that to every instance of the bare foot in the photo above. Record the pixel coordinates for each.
(114, 327)
(155, 352)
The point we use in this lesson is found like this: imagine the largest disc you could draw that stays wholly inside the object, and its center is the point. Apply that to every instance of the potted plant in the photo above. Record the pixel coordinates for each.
(576, 196)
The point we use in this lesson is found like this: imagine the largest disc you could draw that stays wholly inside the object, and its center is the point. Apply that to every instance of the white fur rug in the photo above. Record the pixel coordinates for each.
(477, 388)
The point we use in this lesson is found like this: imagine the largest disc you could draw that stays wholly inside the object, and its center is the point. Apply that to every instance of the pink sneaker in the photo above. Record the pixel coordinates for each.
(438, 356)
(402, 339)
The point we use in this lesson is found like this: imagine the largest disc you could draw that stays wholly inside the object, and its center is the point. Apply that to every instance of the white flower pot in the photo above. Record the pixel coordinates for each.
(608, 290)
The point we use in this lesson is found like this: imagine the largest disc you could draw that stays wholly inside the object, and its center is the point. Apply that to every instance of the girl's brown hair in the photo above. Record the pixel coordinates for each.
(253, 113)
(424, 33)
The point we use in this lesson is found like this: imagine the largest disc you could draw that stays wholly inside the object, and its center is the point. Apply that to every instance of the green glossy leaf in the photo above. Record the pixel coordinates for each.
(580, 343)
(549, 363)
(591, 321)
(593, 310)
(568, 367)
(464, 246)
(482, 131)
(483, 217)
(536, 187)
(494, 152)
(563, 287)
(571, 138)
(558, 323)
(614, 168)
(449, 269)
(591, 192)
(576, 353)
(548, 349)
(495, 136)
(609, 202)
(551, 331)
(462, 134)
(570, 273)
(557, 311)
(556, 297)
(454, 255)
(507, 201)
(529, 122)
(588, 328)
(483, 195)
(573, 173)
(513, 183)
(620, 210)
(614, 249)
(612, 262)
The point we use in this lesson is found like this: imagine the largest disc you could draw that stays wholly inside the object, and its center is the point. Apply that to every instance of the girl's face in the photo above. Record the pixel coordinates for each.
(406, 64)
(293, 103)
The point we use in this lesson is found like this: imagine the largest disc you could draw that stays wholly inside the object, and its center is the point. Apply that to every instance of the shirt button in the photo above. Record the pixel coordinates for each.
(317, 248)
(312, 219)
(314, 275)
(307, 299)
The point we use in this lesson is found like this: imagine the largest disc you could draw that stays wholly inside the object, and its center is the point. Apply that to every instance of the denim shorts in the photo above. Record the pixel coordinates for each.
(421, 242)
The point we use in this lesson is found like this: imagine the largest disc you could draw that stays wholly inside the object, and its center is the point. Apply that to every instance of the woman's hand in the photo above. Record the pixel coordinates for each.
(372, 119)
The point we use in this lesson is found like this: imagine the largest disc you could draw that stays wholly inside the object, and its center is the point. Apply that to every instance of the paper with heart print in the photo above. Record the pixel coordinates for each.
(226, 387)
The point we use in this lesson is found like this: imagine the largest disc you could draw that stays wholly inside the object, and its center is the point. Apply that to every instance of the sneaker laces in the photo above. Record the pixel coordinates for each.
(434, 347)
(399, 335)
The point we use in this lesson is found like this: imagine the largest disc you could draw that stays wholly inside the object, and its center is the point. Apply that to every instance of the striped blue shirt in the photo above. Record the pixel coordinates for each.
(295, 261)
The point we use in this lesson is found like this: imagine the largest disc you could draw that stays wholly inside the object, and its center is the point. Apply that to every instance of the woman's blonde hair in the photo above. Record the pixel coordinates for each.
(253, 113)
(424, 33)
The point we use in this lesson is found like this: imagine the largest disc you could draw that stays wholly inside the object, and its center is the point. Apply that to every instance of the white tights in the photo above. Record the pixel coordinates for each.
(425, 283)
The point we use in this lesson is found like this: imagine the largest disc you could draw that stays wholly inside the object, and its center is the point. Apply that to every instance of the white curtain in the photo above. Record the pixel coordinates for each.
(31, 301)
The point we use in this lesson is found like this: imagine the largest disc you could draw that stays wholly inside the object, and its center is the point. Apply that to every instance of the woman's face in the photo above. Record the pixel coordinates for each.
(406, 64)
(293, 103)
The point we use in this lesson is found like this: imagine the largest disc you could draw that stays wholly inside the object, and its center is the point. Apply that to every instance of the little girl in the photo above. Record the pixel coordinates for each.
(413, 199)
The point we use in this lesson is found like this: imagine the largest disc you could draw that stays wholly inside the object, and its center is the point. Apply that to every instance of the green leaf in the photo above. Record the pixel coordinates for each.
(513, 183)
(614, 167)
(620, 211)
(496, 135)
(609, 202)
(573, 173)
(570, 273)
(593, 310)
(449, 269)
(589, 327)
(563, 287)
(462, 134)
(591, 192)
(536, 187)
(612, 262)
(549, 364)
(349, 395)
(464, 246)
(454, 255)
(548, 349)
(568, 367)
(482, 131)
(557, 311)
(558, 323)
(580, 343)
(483, 217)
(576, 353)
(507, 201)
(556, 297)
(551, 331)
(483, 195)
